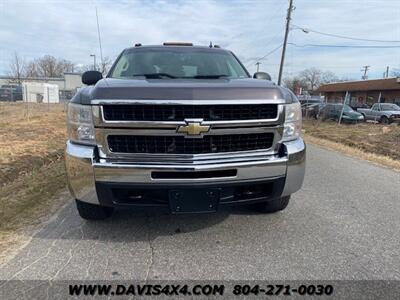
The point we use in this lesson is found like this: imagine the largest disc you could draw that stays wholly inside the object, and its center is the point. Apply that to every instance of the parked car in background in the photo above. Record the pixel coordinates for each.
(356, 106)
(311, 107)
(5, 94)
(10, 92)
(333, 111)
(385, 113)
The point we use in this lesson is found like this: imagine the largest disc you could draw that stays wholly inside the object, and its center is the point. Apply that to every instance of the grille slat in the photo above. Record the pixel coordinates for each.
(182, 145)
(162, 112)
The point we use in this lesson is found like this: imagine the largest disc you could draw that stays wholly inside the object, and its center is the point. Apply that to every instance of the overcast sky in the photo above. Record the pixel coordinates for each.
(251, 29)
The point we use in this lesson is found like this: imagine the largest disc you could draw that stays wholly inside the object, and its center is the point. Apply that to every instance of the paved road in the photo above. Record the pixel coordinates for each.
(344, 224)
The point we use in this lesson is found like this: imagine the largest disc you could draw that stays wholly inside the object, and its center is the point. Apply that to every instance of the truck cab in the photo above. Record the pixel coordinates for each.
(185, 129)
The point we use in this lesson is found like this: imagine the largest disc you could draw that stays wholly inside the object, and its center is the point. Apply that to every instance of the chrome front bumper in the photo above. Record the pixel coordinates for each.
(84, 171)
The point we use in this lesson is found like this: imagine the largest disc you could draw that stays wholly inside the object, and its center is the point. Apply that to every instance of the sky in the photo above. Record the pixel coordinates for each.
(251, 29)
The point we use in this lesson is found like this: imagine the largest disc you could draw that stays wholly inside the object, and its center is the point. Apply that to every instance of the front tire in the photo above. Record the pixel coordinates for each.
(271, 206)
(90, 211)
(384, 120)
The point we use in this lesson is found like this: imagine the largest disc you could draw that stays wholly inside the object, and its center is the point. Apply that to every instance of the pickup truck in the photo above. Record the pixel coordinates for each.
(183, 129)
(385, 113)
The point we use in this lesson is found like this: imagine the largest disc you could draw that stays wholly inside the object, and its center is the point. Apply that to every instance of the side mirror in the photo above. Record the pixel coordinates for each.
(91, 77)
(262, 75)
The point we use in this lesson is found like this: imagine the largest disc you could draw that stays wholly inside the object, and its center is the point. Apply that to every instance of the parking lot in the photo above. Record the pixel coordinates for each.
(343, 224)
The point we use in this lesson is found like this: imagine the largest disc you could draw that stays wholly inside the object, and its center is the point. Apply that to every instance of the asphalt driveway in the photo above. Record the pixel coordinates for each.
(344, 224)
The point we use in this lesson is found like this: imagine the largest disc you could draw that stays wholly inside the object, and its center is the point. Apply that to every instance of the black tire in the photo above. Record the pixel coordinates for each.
(89, 211)
(365, 118)
(384, 120)
(271, 206)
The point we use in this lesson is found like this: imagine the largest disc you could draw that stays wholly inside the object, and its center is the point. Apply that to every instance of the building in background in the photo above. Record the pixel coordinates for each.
(67, 85)
(364, 92)
(40, 92)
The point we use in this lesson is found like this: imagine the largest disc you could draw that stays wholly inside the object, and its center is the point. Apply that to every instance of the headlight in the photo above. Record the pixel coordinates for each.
(292, 126)
(80, 124)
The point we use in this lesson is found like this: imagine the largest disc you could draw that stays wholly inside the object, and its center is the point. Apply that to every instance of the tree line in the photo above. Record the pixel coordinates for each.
(310, 80)
(49, 66)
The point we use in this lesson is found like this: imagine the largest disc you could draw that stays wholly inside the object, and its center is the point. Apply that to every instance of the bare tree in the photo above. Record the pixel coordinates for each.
(84, 68)
(49, 66)
(105, 65)
(17, 66)
(328, 77)
(294, 83)
(31, 69)
(46, 66)
(65, 66)
(312, 77)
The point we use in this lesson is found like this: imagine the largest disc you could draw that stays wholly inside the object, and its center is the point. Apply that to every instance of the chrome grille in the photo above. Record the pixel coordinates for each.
(148, 112)
(181, 145)
(148, 131)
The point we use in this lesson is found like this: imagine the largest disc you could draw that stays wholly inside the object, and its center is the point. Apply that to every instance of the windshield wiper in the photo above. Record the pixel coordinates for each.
(210, 76)
(155, 75)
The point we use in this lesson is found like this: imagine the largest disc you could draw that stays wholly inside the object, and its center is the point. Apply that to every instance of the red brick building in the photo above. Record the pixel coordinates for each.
(363, 92)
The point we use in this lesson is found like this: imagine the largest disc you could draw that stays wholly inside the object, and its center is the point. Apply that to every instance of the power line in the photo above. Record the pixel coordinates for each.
(343, 46)
(263, 57)
(278, 9)
(276, 35)
(269, 53)
(306, 30)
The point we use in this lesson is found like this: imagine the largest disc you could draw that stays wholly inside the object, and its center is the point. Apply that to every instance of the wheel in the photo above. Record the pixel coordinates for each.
(384, 120)
(271, 206)
(92, 211)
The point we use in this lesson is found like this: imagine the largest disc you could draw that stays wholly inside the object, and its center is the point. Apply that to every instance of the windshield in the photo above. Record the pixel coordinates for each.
(347, 108)
(177, 63)
(389, 107)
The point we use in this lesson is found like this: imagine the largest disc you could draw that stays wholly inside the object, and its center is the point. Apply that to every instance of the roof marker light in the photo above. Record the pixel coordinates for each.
(177, 44)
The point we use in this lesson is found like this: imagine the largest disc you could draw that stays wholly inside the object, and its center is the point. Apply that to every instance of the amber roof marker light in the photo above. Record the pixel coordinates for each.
(177, 44)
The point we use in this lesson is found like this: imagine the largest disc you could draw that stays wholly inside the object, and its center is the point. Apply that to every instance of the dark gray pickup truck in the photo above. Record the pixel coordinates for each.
(185, 129)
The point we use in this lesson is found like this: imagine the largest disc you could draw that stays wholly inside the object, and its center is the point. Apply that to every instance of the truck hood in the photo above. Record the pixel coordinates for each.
(182, 89)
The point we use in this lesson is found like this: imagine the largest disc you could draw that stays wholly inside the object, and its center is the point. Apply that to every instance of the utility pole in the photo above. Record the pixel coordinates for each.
(258, 65)
(365, 69)
(387, 72)
(288, 18)
(94, 61)
(346, 98)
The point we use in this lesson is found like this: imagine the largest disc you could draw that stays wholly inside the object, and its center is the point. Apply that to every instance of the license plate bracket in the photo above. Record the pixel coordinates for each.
(194, 200)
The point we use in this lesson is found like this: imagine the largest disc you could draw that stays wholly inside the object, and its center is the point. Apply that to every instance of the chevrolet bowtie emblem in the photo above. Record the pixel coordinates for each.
(193, 127)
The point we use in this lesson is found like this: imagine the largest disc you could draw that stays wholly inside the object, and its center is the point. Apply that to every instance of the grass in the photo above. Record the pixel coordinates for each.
(29, 140)
(32, 171)
(374, 142)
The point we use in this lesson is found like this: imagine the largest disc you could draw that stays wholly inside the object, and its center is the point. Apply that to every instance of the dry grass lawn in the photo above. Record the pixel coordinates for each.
(32, 172)
(374, 142)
